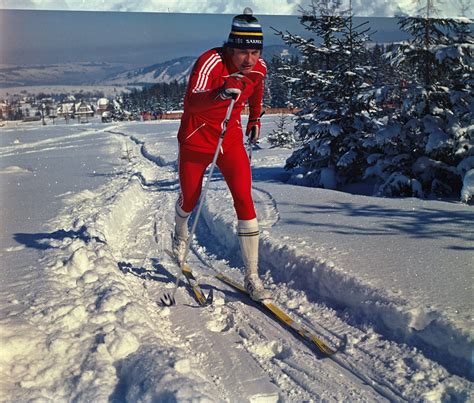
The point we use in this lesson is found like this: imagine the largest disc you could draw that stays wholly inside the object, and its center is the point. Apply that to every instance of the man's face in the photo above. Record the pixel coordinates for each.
(245, 59)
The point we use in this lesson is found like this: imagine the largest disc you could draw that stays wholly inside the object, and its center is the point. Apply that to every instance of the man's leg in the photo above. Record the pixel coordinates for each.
(181, 233)
(235, 168)
(192, 166)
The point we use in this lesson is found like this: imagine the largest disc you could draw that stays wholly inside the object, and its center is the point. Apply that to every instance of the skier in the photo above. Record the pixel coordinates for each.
(234, 70)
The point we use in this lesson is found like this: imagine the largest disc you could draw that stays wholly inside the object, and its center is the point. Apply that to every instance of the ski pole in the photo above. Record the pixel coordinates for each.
(250, 148)
(250, 142)
(169, 299)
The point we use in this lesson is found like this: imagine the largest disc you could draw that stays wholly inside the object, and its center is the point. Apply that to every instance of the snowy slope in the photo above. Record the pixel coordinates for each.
(179, 69)
(167, 72)
(79, 313)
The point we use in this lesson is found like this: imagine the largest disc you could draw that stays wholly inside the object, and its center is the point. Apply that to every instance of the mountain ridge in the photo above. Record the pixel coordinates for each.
(87, 73)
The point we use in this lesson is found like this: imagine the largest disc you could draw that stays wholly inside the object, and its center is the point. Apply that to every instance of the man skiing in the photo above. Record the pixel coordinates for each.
(232, 71)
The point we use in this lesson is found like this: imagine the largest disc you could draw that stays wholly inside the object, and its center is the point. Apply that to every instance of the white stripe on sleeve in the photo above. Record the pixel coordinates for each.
(204, 71)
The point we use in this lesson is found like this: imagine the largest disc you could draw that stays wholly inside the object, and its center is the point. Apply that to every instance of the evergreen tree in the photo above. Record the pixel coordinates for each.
(425, 147)
(323, 20)
(338, 97)
(281, 136)
(282, 76)
(157, 98)
(388, 80)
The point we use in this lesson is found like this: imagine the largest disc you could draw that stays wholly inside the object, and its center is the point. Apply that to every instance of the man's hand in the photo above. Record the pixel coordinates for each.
(253, 130)
(234, 85)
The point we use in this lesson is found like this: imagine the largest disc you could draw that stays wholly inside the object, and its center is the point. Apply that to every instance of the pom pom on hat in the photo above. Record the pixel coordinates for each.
(246, 32)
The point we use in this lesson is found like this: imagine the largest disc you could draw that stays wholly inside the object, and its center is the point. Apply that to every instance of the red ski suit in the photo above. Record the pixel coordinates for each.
(201, 126)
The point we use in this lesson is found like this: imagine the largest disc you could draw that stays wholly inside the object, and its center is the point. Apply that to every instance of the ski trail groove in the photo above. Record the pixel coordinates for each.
(219, 321)
(289, 343)
(267, 208)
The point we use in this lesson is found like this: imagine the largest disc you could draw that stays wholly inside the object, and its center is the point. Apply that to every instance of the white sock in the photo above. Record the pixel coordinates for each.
(181, 222)
(248, 233)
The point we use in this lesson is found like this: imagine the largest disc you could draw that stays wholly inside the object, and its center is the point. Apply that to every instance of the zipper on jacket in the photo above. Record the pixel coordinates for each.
(194, 131)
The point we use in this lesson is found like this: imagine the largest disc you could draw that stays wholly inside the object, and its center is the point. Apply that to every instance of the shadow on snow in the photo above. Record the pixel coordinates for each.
(424, 223)
(41, 240)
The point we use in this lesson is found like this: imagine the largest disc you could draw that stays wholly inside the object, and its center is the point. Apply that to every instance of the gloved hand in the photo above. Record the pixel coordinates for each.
(234, 85)
(253, 130)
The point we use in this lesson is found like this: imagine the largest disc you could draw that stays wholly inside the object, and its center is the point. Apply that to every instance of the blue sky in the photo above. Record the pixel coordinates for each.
(366, 8)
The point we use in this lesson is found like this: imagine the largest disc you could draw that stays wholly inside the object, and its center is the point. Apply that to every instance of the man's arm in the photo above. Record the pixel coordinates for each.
(255, 102)
(201, 92)
(255, 111)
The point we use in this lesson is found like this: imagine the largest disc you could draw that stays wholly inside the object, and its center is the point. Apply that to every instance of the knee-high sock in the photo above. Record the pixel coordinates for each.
(181, 218)
(248, 233)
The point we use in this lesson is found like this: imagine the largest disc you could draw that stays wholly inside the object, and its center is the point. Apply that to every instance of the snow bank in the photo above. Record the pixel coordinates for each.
(468, 186)
(89, 338)
(151, 157)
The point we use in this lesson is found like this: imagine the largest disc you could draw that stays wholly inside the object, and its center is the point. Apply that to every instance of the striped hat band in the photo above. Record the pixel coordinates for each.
(246, 32)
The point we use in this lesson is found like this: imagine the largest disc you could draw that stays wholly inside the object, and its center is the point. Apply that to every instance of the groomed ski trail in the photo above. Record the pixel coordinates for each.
(393, 371)
(266, 361)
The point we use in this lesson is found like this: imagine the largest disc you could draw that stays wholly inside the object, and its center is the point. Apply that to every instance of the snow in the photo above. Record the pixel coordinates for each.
(386, 134)
(84, 265)
(467, 190)
(328, 178)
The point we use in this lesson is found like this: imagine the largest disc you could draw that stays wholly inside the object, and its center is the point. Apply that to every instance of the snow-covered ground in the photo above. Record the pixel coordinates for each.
(87, 213)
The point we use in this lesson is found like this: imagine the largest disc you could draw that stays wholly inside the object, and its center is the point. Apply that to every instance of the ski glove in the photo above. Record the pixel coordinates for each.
(253, 130)
(235, 84)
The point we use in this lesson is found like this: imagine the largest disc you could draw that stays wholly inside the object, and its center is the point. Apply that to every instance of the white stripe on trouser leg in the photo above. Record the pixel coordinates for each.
(181, 222)
(248, 238)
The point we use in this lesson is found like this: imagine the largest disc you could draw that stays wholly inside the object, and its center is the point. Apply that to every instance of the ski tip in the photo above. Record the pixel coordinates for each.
(206, 301)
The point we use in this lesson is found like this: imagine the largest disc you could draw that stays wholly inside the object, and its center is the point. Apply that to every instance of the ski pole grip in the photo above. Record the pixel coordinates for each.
(253, 134)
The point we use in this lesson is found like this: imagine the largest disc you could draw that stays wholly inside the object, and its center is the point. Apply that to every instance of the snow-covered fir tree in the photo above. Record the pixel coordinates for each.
(281, 136)
(425, 147)
(306, 79)
(281, 81)
(338, 98)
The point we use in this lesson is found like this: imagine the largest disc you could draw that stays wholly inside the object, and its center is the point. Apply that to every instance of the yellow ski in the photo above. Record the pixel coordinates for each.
(195, 286)
(193, 283)
(283, 318)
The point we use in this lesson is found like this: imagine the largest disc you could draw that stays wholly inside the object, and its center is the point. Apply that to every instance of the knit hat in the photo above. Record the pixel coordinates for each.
(246, 32)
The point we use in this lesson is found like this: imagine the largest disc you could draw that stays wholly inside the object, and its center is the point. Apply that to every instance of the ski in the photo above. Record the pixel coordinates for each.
(194, 284)
(282, 317)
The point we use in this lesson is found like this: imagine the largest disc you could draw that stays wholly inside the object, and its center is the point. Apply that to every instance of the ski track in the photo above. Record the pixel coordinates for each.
(231, 333)
(65, 141)
(263, 343)
(283, 371)
(138, 350)
(265, 358)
